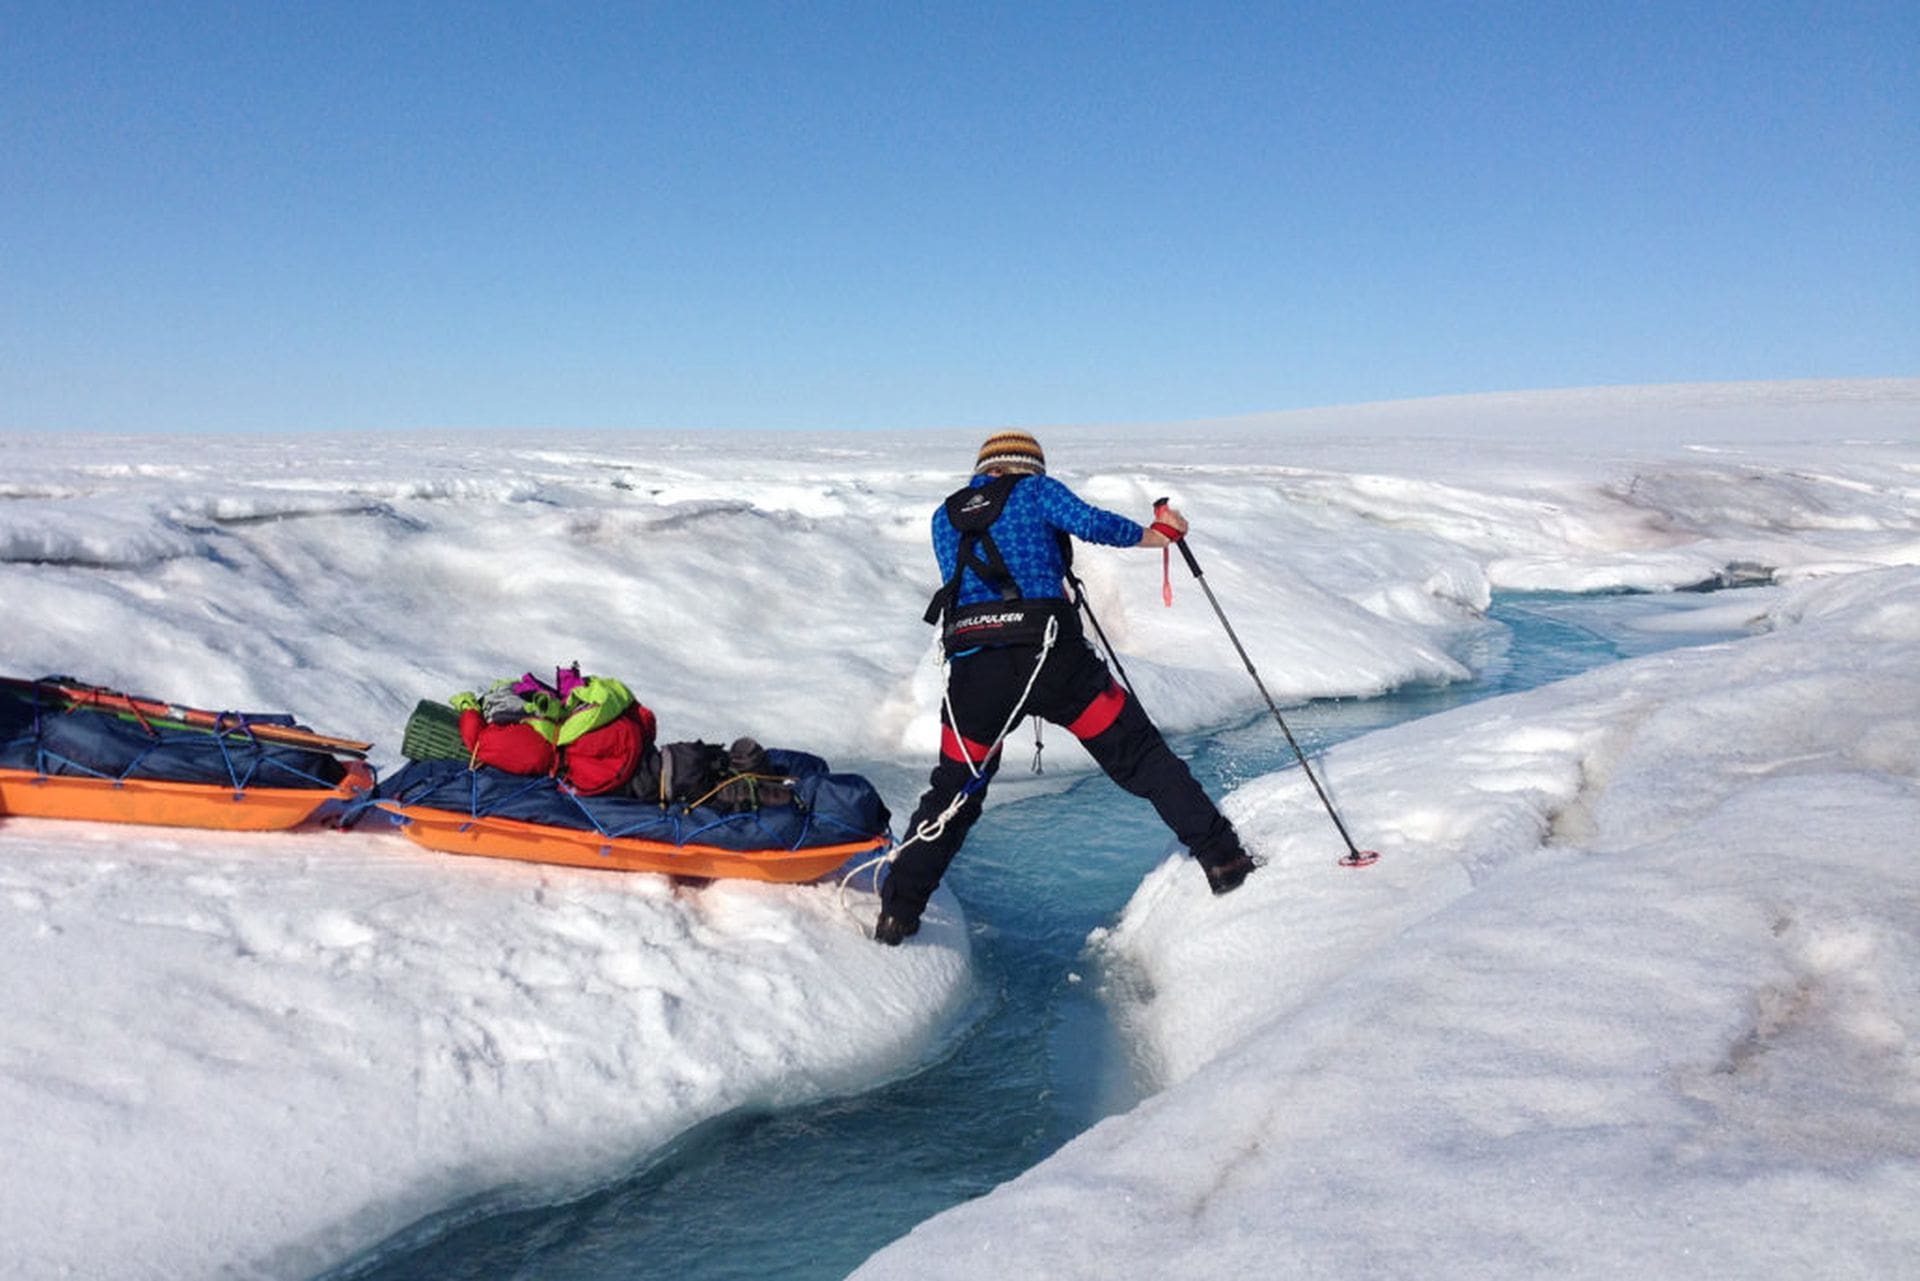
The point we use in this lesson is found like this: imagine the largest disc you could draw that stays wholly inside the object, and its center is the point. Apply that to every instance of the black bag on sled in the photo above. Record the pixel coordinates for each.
(733, 780)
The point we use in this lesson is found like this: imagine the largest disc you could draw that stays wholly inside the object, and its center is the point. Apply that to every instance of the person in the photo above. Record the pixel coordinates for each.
(1015, 648)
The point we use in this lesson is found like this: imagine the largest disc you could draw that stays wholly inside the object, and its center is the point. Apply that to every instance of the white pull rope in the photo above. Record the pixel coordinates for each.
(935, 827)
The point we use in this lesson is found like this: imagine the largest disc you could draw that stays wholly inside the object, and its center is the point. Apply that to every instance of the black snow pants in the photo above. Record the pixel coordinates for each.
(1075, 690)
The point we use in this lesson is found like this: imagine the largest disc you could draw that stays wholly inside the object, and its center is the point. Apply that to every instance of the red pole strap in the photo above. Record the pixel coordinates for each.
(1172, 536)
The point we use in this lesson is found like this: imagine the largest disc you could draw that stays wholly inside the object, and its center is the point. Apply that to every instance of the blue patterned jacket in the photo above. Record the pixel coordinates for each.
(1038, 506)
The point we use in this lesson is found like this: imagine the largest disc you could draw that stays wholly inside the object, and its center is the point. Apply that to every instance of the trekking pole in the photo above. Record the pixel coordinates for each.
(1355, 857)
(1080, 600)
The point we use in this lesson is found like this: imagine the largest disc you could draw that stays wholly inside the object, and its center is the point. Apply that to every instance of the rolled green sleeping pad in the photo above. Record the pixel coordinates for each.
(433, 734)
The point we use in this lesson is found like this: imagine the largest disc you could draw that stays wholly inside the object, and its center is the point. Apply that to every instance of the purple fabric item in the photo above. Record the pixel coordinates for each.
(565, 681)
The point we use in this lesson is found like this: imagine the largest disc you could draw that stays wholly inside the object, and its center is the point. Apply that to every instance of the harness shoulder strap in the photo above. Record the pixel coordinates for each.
(972, 511)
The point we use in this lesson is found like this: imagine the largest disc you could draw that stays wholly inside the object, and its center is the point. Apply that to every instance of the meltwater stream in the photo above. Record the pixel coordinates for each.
(811, 1192)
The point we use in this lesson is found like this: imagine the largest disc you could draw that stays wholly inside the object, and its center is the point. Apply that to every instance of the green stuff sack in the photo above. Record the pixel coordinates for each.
(433, 734)
(592, 704)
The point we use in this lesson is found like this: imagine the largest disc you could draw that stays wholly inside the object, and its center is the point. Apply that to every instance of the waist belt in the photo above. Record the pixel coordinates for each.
(1006, 622)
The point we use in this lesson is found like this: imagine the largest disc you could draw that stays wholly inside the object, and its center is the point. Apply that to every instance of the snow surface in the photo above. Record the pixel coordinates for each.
(1634, 984)
(1634, 990)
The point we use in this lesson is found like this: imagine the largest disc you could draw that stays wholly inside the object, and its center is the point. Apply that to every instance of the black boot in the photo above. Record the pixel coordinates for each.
(893, 930)
(1225, 878)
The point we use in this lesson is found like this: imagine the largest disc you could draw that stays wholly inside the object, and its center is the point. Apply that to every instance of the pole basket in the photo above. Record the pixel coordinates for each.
(1361, 858)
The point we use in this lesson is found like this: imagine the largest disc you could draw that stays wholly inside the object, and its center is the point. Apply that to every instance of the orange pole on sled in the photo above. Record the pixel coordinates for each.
(79, 695)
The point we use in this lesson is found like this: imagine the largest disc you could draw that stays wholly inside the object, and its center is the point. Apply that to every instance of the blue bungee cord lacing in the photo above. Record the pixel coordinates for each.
(220, 740)
(432, 793)
(50, 763)
(680, 833)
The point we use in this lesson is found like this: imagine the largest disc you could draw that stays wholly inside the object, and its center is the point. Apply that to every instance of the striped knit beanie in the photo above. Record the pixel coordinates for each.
(1011, 451)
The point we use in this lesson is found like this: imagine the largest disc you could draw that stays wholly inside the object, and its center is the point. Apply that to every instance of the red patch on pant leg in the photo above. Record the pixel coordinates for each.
(956, 748)
(1100, 714)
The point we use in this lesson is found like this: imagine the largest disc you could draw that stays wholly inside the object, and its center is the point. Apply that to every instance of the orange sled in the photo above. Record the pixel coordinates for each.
(26, 794)
(455, 833)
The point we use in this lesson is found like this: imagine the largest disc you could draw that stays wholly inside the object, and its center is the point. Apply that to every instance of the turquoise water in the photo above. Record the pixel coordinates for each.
(811, 1192)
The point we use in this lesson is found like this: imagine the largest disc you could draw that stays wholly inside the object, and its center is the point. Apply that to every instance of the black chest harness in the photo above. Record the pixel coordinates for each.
(1013, 619)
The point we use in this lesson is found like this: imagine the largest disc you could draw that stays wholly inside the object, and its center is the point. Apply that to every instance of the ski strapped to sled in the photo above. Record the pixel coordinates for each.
(75, 694)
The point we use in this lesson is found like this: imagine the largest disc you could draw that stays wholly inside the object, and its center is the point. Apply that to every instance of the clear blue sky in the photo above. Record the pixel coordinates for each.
(260, 215)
